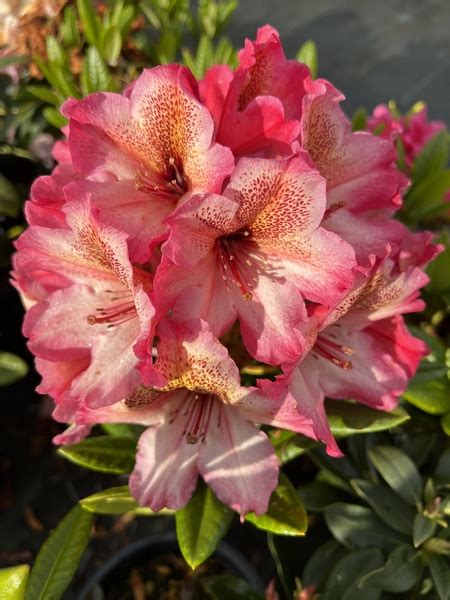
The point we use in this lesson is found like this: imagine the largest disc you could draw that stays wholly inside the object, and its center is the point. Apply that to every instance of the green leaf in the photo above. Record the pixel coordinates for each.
(69, 28)
(286, 514)
(12, 368)
(117, 501)
(343, 580)
(359, 120)
(13, 582)
(106, 454)
(307, 54)
(440, 574)
(399, 472)
(422, 530)
(59, 556)
(54, 117)
(289, 445)
(445, 423)
(399, 574)
(386, 504)
(112, 45)
(433, 397)
(97, 71)
(317, 567)
(349, 418)
(340, 467)
(357, 527)
(227, 587)
(44, 93)
(424, 200)
(439, 269)
(55, 52)
(201, 524)
(121, 430)
(432, 158)
(9, 198)
(443, 467)
(316, 496)
(7, 61)
(89, 21)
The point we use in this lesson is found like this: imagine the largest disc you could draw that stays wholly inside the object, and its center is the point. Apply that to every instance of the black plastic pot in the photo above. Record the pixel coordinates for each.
(157, 545)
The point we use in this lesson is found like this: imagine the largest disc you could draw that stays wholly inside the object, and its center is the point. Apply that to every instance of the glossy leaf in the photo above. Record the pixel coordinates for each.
(286, 514)
(357, 527)
(440, 574)
(399, 574)
(13, 582)
(122, 430)
(345, 575)
(289, 445)
(317, 567)
(422, 530)
(443, 467)
(432, 397)
(201, 524)
(307, 54)
(399, 472)
(59, 556)
(445, 423)
(439, 269)
(349, 418)
(425, 199)
(117, 501)
(386, 504)
(227, 587)
(12, 368)
(106, 454)
(316, 496)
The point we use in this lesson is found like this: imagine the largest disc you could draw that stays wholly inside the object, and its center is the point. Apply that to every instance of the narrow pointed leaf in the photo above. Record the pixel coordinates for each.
(399, 472)
(59, 556)
(13, 582)
(106, 454)
(12, 368)
(200, 525)
(286, 514)
(423, 529)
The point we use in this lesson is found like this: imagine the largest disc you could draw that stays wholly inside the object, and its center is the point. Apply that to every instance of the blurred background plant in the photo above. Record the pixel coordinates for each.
(378, 518)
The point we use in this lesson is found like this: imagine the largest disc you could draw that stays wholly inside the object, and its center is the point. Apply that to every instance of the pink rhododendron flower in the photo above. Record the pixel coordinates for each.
(255, 252)
(91, 310)
(360, 350)
(200, 422)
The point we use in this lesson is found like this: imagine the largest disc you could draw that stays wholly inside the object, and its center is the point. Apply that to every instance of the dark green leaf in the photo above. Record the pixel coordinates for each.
(443, 467)
(424, 200)
(440, 574)
(357, 527)
(317, 567)
(340, 467)
(386, 504)
(432, 158)
(227, 587)
(422, 530)
(344, 577)
(117, 501)
(13, 582)
(12, 368)
(439, 269)
(286, 514)
(289, 445)
(59, 556)
(399, 472)
(445, 423)
(349, 418)
(106, 454)
(307, 54)
(201, 524)
(399, 574)
(317, 496)
(44, 93)
(9, 198)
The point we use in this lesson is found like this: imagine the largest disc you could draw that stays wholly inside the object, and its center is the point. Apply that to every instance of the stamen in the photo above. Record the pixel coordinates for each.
(198, 411)
(113, 315)
(333, 352)
(233, 267)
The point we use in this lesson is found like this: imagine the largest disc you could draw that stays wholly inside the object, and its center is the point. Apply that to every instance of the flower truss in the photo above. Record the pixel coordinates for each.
(190, 223)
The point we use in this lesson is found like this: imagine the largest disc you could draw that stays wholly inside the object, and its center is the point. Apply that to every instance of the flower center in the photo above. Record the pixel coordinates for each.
(335, 353)
(197, 415)
(121, 309)
(171, 184)
(237, 268)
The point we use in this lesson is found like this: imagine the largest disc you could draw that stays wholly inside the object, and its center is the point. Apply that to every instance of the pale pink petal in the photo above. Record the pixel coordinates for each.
(238, 462)
(72, 435)
(166, 470)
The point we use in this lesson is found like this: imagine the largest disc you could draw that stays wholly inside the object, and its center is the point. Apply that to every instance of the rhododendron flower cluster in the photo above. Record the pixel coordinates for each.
(189, 224)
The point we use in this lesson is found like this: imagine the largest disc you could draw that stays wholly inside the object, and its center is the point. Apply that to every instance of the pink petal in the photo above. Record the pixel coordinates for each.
(238, 462)
(166, 470)
(214, 89)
